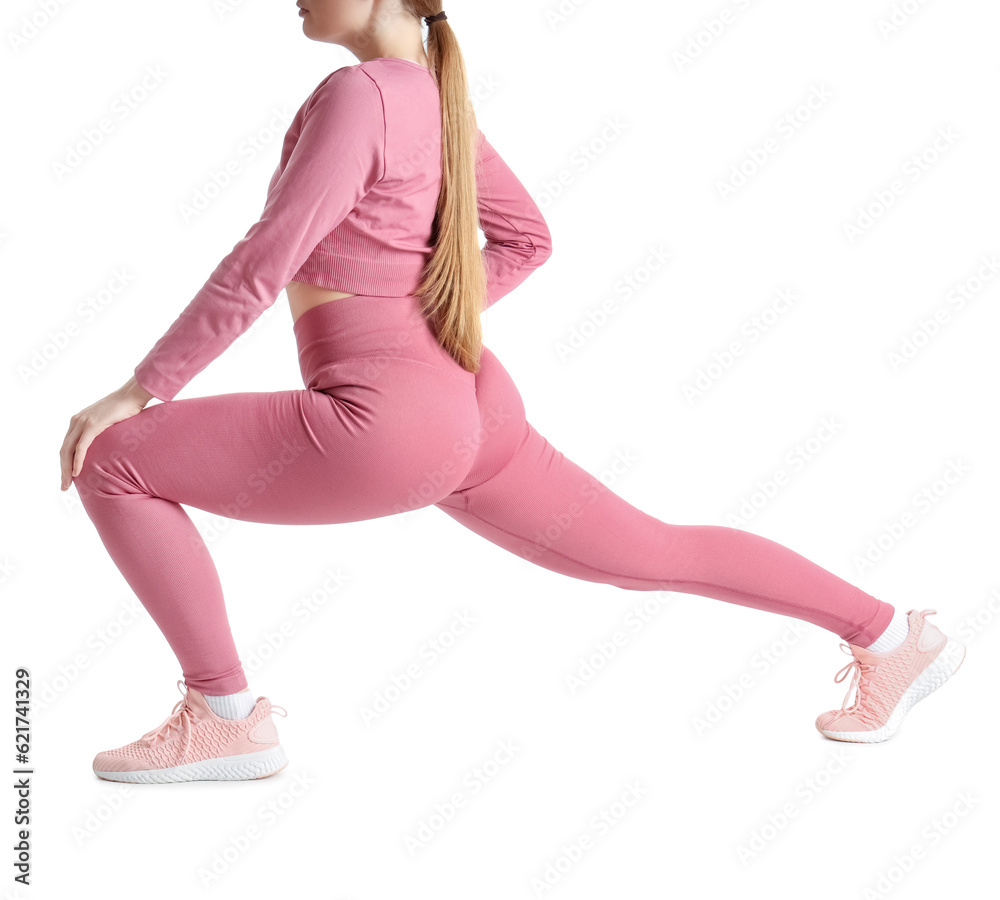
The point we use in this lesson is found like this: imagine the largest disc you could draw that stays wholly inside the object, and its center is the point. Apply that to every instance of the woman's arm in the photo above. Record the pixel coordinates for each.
(517, 238)
(136, 392)
(337, 158)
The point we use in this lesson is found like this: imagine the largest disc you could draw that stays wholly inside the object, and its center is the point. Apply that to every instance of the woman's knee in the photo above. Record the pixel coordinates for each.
(108, 464)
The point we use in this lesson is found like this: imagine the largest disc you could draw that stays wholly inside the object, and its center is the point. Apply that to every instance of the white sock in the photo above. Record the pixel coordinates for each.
(894, 634)
(232, 706)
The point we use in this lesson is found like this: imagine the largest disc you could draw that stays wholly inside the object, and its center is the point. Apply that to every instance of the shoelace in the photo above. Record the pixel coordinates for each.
(862, 678)
(182, 718)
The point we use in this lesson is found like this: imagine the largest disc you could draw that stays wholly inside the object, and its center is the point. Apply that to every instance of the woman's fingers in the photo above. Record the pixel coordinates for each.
(82, 445)
(81, 434)
(67, 452)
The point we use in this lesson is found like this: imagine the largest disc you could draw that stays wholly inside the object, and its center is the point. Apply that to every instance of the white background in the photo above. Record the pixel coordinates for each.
(548, 80)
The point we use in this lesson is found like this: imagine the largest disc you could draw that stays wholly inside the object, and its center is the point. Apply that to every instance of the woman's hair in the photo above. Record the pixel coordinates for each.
(452, 285)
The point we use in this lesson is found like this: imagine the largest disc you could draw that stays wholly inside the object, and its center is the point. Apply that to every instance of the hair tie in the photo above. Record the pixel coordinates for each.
(429, 19)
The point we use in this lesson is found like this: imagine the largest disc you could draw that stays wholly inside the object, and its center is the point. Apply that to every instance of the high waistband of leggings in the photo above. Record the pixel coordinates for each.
(363, 326)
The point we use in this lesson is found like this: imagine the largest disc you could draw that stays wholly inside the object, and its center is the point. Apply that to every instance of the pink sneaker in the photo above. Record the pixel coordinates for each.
(194, 744)
(889, 684)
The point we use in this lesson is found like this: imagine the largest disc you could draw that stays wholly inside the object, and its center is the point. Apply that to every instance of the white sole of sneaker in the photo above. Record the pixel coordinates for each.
(244, 767)
(945, 664)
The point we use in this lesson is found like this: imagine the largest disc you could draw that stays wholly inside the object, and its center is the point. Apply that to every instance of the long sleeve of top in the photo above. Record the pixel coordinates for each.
(517, 238)
(348, 208)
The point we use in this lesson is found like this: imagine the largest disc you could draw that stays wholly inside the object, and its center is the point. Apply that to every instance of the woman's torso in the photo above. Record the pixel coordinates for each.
(380, 248)
(302, 295)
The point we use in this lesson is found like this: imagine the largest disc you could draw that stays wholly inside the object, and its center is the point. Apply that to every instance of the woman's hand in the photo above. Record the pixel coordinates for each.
(87, 424)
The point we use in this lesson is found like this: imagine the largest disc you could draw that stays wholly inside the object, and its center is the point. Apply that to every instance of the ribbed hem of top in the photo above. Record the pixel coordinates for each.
(371, 276)
(350, 259)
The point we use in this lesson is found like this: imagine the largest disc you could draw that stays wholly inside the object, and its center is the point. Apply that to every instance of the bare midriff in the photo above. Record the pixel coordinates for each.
(302, 296)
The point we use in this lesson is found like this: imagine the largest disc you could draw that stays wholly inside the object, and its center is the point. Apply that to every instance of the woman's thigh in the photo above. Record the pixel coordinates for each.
(364, 448)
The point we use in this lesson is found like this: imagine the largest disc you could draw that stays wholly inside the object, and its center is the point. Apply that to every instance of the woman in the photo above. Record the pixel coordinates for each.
(370, 226)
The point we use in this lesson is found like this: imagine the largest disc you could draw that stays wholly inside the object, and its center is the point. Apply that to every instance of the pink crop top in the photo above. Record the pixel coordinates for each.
(350, 207)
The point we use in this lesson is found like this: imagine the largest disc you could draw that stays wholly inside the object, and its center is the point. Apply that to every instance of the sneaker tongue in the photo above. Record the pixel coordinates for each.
(199, 706)
(866, 656)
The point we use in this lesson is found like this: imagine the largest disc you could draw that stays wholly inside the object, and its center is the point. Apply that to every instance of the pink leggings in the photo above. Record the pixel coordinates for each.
(389, 422)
